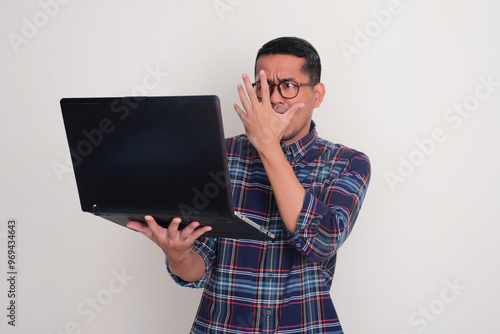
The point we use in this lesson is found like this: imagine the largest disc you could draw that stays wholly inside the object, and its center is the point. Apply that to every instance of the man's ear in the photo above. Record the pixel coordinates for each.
(319, 94)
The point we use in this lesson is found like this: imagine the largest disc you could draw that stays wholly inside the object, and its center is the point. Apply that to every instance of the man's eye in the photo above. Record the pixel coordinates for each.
(288, 85)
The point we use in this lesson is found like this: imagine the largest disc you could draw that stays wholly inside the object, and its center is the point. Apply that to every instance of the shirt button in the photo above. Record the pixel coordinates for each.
(268, 312)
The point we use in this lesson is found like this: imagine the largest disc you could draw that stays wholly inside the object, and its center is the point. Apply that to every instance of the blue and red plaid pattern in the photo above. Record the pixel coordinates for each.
(282, 286)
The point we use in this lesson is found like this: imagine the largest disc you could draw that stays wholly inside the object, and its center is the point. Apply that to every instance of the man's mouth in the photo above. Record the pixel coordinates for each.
(280, 110)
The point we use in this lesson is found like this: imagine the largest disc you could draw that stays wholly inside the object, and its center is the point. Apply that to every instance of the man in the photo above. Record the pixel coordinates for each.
(305, 190)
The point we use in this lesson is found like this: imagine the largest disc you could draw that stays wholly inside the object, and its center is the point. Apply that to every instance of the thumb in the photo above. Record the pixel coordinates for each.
(141, 228)
(294, 109)
(298, 106)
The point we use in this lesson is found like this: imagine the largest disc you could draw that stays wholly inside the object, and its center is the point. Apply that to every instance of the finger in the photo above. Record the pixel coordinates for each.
(199, 232)
(240, 112)
(141, 228)
(250, 90)
(293, 109)
(173, 227)
(243, 98)
(264, 87)
(188, 230)
(152, 224)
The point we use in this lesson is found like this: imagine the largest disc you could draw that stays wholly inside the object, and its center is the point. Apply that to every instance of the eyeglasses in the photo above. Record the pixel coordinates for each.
(287, 89)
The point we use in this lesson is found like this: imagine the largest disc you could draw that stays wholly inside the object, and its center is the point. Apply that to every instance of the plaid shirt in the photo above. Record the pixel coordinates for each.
(282, 286)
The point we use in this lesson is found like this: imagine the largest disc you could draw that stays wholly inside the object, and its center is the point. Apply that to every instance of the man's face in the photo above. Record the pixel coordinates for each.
(279, 68)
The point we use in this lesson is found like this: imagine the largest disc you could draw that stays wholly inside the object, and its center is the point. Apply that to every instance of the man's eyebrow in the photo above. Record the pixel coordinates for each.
(283, 80)
(279, 80)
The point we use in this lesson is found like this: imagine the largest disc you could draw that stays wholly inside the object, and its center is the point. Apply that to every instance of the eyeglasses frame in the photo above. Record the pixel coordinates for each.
(271, 87)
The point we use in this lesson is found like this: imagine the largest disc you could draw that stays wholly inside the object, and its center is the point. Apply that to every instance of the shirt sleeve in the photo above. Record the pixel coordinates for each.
(326, 221)
(206, 248)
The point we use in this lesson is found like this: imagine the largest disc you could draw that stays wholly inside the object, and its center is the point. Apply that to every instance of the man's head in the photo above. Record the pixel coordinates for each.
(297, 47)
(291, 62)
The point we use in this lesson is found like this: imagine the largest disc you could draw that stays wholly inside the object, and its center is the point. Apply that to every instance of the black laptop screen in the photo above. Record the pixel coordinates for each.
(158, 153)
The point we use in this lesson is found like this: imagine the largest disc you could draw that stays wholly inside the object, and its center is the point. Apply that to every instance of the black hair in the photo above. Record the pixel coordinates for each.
(297, 47)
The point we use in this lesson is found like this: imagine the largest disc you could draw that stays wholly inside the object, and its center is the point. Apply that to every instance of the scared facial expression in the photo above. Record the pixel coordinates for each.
(280, 68)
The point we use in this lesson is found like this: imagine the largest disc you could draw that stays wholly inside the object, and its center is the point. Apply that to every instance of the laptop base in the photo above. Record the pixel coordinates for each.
(236, 227)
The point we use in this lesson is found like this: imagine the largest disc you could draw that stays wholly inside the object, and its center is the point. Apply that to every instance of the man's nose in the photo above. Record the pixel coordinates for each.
(275, 96)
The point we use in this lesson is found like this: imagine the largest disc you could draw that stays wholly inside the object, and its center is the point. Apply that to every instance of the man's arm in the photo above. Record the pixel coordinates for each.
(177, 245)
(287, 189)
(265, 129)
(330, 210)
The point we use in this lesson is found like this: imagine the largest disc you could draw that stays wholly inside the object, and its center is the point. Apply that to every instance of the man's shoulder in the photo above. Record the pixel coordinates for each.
(239, 145)
(237, 139)
(339, 151)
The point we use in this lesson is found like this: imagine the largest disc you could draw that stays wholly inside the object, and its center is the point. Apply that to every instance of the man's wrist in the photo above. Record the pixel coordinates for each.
(190, 269)
(269, 150)
(181, 261)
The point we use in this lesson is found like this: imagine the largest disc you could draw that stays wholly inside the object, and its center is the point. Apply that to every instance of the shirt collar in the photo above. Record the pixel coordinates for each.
(299, 148)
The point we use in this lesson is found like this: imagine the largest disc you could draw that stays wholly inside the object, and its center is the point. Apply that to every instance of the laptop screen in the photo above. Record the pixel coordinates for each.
(154, 153)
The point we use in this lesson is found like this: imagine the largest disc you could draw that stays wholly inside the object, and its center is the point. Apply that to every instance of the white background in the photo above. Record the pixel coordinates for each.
(390, 85)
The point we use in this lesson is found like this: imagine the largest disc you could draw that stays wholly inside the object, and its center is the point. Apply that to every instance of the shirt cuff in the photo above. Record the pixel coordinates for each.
(311, 215)
(198, 248)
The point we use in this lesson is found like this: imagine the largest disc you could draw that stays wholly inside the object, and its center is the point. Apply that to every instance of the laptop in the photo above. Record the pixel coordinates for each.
(158, 156)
